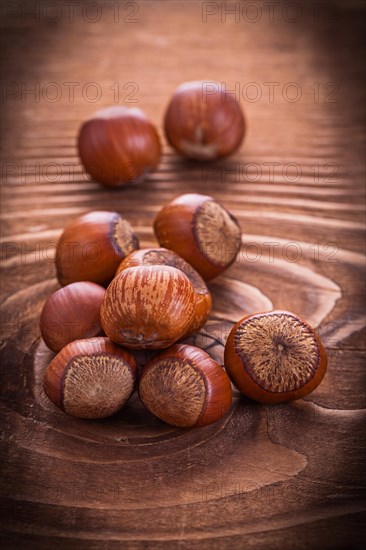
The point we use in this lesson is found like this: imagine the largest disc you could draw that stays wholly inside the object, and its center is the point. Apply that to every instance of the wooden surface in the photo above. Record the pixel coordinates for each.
(282, 477)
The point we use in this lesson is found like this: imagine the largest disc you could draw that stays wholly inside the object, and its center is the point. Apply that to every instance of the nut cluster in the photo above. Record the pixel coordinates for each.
(154, 299)
(116, 298)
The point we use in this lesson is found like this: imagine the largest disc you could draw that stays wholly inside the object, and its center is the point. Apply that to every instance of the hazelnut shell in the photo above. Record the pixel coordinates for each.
(204, 124)
(185, 387)
(237, 368)
(119, 145)
(72, 313)
(91, 378)
(163, 256)
(201, 231)
(92, 246)
(148, 307)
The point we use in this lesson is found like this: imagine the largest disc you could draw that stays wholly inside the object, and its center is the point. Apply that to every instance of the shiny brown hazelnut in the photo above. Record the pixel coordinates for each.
(163, 256)
(72, 313)
(91, 378)
(148, 307)
(185, 387)
(201, 231)
(203, 121)
(92, 247)
(275, 356)
(119, 145)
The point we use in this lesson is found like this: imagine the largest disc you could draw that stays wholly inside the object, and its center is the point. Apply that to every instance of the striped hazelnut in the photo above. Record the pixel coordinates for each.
(163, 256)
(148, 307)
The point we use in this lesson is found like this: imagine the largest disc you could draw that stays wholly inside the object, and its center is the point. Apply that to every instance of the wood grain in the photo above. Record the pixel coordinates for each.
(279, 477)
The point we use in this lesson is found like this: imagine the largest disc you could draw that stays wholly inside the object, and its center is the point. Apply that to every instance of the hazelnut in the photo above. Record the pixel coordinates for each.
(274, 357)
(91, 378)
(203, 124)
(185, 387)
(92, 247)
(72, 313)
(201, 231)
(163, 256)
(148, 307)
(119, 145)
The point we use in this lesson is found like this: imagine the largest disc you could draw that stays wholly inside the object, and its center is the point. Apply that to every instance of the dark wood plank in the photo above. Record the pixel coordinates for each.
(282, 477)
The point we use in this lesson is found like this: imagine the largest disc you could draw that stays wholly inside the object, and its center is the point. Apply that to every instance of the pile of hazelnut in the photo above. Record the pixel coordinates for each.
(116, 298)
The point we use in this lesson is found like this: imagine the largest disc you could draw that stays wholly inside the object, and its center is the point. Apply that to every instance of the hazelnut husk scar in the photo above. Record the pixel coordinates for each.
(92, 246)
(185, 387)
(203, 121)
(201, 231)
(91, 378)
(275, 356)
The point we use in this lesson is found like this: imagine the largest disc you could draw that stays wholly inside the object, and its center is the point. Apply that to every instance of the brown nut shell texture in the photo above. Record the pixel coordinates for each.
(274, 357)
(201, 231)
(148, 307)
(203, 121)
(163, 256)
(72, 313)
(119, 145)
(185, 387)
(91, 378)
(92, 246)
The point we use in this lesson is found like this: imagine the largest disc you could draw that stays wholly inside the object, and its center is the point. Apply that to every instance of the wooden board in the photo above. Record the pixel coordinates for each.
(281, 477)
